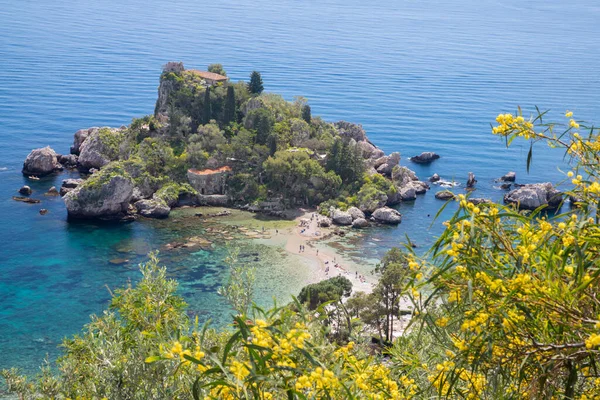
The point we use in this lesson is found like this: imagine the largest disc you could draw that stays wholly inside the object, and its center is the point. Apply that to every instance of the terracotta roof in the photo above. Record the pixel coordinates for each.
(208, 75)
(209, 171)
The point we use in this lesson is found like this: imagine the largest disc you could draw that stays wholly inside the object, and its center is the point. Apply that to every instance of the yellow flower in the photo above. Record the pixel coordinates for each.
(569, 114)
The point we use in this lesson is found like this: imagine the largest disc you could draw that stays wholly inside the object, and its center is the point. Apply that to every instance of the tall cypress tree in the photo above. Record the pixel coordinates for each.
(256, 84)
(229, 112)
(306, 113)
(207, 108)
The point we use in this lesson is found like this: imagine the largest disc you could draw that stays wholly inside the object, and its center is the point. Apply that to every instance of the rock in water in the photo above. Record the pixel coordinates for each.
(434, 178)
(478, 200)
(356, 213)
(444, 195)
(340, 217)
(153, 208)
(104, 195)
(471, 181)
(425, 158)
(532, 196)
(387, 215)
(43, 211)
(408, 193)
(26, 200)
(41, 162)
(360, 223)
(509, 177)
(69, 184)
(52, 191)
(25, 190)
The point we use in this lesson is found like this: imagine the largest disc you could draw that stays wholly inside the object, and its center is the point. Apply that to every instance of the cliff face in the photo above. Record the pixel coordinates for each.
(166, 87)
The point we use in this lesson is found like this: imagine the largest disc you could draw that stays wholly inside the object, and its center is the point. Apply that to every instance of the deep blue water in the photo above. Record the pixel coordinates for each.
(419, 75)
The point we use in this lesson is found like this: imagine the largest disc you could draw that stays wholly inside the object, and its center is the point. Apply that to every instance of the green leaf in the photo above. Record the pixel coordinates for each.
(529, 155)
(152, 359)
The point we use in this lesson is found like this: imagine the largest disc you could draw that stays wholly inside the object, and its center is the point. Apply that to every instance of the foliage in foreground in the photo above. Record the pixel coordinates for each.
(506, 307)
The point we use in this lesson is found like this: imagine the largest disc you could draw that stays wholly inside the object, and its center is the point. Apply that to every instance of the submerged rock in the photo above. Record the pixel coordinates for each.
(41, 162)
(434, 178)
(52, 191)
(25, 190)
(425, 158)
(26, 200)
(532, 196)
(43, 211)
(387, 215)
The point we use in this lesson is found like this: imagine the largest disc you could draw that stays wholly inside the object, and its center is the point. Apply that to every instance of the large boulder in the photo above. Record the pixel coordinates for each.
(420, 187)
(360, 223)
(509, 177)
(387, 215)
(99, 148)
(25, 190)
(350, 130)
(356, 213)
(425, 157)
(369, 150)
(68, 161)
(444, 195)
(324, 222)
(532, 196)
(471, 181)
(340, 217)
(104, 195)
(392, 160)
(434, 178)
(153, 208)
(40, 162)
(80, 137)
(408, 193)
(401, 176)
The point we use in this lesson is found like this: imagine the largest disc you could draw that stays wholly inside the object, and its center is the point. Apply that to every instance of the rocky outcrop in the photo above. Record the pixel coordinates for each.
(99, 148)
(340, 217)
(68, 185)
(401, 176)
(420, 187)
(68, 161)
(350, 131)
(385, 165)
(425, 158)
(444, 195)
(105, 195)
(153, 208)
(355, 213)
(509, 177)
(478, 200)
(369, 150)
(386, 215)
(52, 191)
(80, 137)
(324, 222)
(471, 181)
(360, 223)
(408, 193)
(41, 162)
(25, 190)
(434, 178)
(532, 196)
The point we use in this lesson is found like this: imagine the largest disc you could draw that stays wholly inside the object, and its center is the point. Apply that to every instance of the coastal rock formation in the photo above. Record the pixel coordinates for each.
(350, 130)
(25, 190)
(471, 181)
(408, 193)
(68, 185)
(41, 162)
(532, 196)
(387, 215)
(360, 223)
(420, 187)
(153, 208)
(369, 150)
(80, 137)
(509, 177)
(99, 148)
(340, 217)
(52, 191)
(355, 213)
(105, 195)
(478, 200)
(425, 158)
(444, 195)
(406, 180)
(68, 161)
(434, 178)
(324, 222)
(385, 165)
(26, 200)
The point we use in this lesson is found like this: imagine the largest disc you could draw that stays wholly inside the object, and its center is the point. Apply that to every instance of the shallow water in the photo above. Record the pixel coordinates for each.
(419, 75)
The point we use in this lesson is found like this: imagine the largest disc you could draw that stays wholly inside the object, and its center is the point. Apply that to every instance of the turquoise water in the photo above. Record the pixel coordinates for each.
(419, 75)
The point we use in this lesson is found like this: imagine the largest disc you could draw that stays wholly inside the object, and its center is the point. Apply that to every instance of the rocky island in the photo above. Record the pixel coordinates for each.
(214, 142)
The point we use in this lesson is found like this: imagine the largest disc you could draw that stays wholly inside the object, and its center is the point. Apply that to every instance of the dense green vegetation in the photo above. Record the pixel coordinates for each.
(504, 306)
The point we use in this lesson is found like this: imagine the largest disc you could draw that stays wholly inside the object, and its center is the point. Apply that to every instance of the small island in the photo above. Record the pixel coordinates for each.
(214, 142)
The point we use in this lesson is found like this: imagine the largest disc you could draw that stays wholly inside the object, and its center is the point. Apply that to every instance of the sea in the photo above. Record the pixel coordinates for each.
(419, 75)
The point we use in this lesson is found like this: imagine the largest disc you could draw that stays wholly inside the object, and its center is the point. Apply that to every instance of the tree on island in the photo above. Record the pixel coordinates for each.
(229, 112)
(256, 84)
(207, 111)
(217, 69)
(306, 113)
